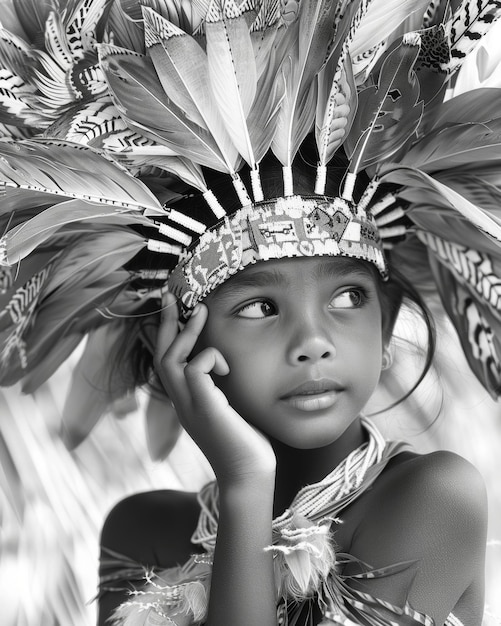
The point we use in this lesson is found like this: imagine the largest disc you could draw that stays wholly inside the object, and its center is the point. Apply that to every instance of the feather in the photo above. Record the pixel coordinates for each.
(82, 20)
(162, 427)
(389, 114)
(232, 71)
(75, 311)
(380, 20)
(478, 191)
(142, 102)
(98, 124)
(306, 40)
(431, 65)
(126, 28)
(454, 146)
(478, 105)
(88, 123)
(182, 68)
(92, 258)
(444, 196)
(16, 54)
(33, 14)
(24, 238)
(335, 113)
(71, 170)
(475, 316)
(264, 32)
(470, 22)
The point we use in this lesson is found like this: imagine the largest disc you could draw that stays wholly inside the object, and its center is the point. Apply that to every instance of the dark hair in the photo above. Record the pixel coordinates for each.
(394, 293)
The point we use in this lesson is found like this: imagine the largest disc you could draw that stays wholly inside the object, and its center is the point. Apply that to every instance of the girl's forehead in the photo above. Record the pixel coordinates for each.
(283, 271)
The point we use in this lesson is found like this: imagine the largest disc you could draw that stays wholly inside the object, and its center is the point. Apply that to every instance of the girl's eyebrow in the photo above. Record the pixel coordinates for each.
(262, 278)
(341, 268)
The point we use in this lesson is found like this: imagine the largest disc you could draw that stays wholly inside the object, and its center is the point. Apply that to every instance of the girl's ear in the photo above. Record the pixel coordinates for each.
(387, 358)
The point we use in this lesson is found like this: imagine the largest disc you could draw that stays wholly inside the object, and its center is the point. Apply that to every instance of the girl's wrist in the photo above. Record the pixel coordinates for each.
(257, 484)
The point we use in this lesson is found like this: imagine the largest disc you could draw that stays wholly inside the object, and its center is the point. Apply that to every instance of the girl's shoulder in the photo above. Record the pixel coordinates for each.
(153, 528)
(440, 493)
(429, 511)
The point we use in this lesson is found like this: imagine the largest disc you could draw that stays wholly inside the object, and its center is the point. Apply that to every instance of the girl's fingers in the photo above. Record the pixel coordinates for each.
(197, 375)
(181, 348)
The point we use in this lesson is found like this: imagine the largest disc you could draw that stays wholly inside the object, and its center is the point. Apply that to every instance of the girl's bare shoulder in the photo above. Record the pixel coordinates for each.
(153, 528)
(419, 496)
(429, 511)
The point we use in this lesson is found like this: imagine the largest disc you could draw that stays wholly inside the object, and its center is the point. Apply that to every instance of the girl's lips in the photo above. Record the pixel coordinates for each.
(313, 395)
(313, 401)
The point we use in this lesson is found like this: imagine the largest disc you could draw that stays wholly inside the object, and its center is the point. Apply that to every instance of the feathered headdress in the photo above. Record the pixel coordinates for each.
(117, 115)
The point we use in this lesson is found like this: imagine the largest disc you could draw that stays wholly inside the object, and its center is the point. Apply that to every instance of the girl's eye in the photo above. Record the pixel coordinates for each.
(257, 310)
(349, 299)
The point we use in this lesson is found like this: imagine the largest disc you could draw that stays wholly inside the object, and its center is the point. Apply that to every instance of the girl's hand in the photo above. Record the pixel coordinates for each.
(235, 449)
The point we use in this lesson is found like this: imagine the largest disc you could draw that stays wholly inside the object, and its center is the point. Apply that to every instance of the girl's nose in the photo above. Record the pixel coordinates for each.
(311, 343)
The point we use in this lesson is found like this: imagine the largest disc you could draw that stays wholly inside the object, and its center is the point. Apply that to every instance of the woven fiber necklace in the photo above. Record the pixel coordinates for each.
(303, 530)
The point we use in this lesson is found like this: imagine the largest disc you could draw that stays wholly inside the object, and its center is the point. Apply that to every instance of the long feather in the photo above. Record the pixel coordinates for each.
(389, 114)
(22, 240)
(75, 311)
(33, 15)
(139, 97)
(71, 170)
(308, 38)
(478, 105)
(477, 325)
(444, 196)
(92, 258)
(460, 144)
(232, 71)
(335, 113)
(183, 71)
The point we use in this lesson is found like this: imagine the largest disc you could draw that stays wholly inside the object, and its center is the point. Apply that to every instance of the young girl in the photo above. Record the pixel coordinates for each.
(125, 194)
(314, 516)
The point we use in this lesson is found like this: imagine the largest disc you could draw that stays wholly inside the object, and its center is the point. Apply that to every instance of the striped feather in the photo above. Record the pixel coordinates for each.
(470, 22)
(81, 21)
(70, 170)
(381, 19)
(470, 290)
(335, 113)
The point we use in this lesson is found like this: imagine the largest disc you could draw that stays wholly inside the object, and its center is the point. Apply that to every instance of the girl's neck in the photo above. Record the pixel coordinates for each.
(297, 468)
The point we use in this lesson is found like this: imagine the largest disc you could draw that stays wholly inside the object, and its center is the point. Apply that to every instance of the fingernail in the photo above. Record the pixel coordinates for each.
(196, 310)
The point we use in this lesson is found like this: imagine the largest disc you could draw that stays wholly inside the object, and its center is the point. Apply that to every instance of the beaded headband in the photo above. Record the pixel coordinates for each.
(111, 111)
(293, 226)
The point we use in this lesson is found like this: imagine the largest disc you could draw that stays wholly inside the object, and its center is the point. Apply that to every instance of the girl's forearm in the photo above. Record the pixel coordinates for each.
(243, 586)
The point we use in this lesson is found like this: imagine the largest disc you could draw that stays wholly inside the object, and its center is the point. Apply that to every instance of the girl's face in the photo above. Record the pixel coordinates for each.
(303, 340)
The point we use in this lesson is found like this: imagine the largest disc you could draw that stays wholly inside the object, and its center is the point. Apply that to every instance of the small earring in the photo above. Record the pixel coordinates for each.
(387, 359)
